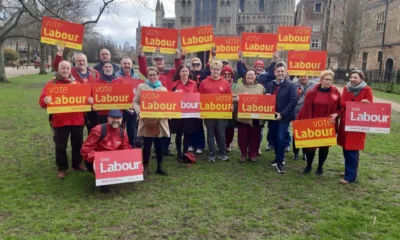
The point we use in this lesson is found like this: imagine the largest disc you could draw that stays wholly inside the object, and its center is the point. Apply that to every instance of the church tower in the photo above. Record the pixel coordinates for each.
(184, 13)
(160, 13)
(227, 14)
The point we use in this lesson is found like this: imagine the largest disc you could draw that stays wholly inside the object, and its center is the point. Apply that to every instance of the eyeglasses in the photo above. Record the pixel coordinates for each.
(196, 64)
(152, 75)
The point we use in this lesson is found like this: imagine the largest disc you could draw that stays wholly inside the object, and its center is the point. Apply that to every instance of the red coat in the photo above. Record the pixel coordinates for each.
(62, 119)
(191, 86)
(352, 140)
(111, 142)
(210, 85)
(75, 74)
(166, 76)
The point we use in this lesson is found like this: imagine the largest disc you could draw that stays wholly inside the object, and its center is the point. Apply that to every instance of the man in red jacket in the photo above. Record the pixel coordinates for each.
(105, 137)
(65, 124)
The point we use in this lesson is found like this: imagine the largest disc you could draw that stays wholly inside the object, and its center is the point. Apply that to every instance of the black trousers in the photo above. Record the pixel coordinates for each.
(158, 146)
(322, 155)
(89, 166)
(178, 142)
(61, 135)
(296, 150)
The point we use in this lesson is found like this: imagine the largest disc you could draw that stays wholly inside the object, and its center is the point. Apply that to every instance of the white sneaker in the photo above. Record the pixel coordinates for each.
(199, 151)
(191, 149)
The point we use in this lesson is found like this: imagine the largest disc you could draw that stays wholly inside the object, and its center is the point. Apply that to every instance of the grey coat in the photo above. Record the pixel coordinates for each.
(310, 85)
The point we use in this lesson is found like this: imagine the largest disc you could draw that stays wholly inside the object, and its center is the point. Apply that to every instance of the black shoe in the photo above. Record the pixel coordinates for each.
(304, 157)
(307, 169)
(104, 189)
(280, 168)
(168, 153)
(319, 171)
(161, 172)
(296, 157)
(179, 158)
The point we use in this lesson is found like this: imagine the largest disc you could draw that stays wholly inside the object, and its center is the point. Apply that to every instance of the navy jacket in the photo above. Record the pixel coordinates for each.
(286, 99)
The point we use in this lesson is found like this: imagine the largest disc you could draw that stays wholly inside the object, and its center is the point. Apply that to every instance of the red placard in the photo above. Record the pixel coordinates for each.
(154, 104)
(190, 105)
(371, 117)
(317, 132)
(59, 32)
(68, 98)
(112, 96)
(197, 39)
(133, 82)
(261, 45)
(119, 166)
(164, 39)
(227, 47)
(216, 106)
(294, 38)
(306, 63)
(253, 106)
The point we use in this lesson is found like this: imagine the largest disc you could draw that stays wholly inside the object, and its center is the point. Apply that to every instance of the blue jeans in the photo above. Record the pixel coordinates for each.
(130, 123)
(278, 134)
(288, 139)
(351, 158)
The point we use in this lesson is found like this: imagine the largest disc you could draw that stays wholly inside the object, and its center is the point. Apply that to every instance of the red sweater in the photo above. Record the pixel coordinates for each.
(191, 86)
(220, 86)
(75, 72)
(62, 119)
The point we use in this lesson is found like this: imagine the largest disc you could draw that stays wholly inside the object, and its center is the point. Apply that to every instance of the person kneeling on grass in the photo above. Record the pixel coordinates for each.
(105, 137)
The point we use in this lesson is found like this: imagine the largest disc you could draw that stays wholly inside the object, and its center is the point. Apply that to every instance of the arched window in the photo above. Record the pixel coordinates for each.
(261, 6)
(241, 5)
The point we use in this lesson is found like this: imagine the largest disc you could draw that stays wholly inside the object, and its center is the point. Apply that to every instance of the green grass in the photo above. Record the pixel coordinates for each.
(387, 96)
(225, 200)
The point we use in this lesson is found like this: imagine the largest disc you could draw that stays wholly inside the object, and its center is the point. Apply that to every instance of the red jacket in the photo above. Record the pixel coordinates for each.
(210, 85)
(191, 86)
(352, 140)
(166, 76)
(75, 74)
(111, 142)
(62, 119)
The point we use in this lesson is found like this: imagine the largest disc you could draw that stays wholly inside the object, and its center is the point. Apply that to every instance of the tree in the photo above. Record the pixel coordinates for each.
(10, 55)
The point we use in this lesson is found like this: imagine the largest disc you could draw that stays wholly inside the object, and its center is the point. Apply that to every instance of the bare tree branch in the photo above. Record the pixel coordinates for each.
(105, 4)
(18, 17)
(29, 11)
(50, 11)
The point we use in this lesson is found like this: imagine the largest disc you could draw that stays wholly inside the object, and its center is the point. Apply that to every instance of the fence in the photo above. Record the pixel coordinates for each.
(379, 80)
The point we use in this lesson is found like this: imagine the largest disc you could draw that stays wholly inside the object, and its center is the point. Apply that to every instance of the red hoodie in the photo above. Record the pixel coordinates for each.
(75, 70)
(220, 86)
(190, 86)
(111, 142)
(63, 119)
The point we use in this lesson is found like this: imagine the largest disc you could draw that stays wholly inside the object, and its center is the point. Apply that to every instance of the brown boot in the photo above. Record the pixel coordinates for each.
(61, 174)
(145, 171)
(81, 167)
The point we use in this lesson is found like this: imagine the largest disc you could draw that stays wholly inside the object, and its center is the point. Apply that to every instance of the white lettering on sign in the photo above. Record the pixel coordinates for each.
(117, 167)
(365, 117)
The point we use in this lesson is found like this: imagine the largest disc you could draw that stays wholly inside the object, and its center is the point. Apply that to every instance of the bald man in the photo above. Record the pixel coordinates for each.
(65, 124)
(105, 56)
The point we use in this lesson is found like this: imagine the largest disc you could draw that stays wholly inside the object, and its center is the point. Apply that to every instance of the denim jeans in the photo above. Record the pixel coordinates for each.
(278, 133)
(351, 158)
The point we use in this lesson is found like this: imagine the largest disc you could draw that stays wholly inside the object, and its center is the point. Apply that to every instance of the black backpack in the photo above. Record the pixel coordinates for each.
(104, 132)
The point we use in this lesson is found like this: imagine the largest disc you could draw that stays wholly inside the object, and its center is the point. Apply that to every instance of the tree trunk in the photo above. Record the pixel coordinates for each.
(3, 77)
(43, 59)
(349, 57)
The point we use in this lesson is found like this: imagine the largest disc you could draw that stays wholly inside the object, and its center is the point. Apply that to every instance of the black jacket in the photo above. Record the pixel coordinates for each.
(286, 99)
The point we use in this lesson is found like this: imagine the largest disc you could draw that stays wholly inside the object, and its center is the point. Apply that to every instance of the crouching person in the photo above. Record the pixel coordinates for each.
(105, 137)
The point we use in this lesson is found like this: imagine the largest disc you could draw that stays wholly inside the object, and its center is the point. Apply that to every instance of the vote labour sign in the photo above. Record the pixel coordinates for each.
(190, 105)
(119, 166)
(59, 32)
(261, 45)
(227, 47)
(112, 96)
(306, 63)
(317, 132)
(164, 39)
(371, 117)
(68, 98)
(216, 106)
(294, 38)
(154, 104)
(256, 106)
(197, 39)
(133, 82)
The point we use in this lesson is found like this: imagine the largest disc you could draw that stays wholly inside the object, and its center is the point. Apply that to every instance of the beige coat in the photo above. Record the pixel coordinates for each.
(150, 127)
(249, 89)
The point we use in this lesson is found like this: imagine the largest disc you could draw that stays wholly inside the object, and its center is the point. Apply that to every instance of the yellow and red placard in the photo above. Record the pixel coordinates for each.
(227, 47)
(253, 106)
(67, 98)
(59, 32)
(154, 104)
(133, 82)
(164, 39)
(114, 167)
(261, 45)
(217, 106)
(294, 38)
(197, 39)
(112, 96)
(190, 105)
(306, 63)
(317, 132)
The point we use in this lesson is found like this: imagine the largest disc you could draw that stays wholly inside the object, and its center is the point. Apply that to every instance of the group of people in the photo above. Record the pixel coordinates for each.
(301, 100)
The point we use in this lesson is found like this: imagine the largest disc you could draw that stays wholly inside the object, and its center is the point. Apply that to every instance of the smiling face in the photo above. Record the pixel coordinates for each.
(126, 64)
(184, 73)
(280, 73)
(250, 77)
(108, 69)
(326, 81)
(196, 65)
(303, 80)
(158, 63)
(259, 69)
(64, 69)
(227, 75)
(152, 76)
(355, 79)
(115, 122)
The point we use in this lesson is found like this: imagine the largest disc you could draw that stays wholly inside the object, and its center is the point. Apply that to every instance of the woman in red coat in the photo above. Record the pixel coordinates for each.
(356, 90)
(322, 101)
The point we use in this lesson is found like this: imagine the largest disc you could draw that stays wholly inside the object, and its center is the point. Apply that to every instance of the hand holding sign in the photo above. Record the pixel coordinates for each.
(333, 119)
(278, 116)
(365, 101)
(47, 100)
(90, 100)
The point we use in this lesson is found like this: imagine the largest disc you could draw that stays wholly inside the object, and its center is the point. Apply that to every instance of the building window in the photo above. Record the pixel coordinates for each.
(315, 43)
(261, 6)
(380, 21)
(318, 7)
(364, 61)
(241, 5)
(316, 27)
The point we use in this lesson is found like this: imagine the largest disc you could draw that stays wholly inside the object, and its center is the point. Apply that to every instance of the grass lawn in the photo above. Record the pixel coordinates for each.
(225, 200)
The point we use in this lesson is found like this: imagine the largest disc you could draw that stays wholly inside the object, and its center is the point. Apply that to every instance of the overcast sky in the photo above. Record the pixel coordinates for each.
(122, 20)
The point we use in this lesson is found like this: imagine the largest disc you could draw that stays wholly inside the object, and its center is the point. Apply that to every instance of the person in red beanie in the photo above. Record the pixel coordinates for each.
(227, 74)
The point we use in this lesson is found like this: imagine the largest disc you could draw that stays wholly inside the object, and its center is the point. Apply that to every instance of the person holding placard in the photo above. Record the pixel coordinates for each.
(65, 124)
(356, 90)
(320, 102)
(105, 56)
(152, 130)
(215, 84)
(249, 130)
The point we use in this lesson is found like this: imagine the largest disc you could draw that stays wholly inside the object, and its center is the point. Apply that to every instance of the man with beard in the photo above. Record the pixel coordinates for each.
(105, 137)
(105, 56)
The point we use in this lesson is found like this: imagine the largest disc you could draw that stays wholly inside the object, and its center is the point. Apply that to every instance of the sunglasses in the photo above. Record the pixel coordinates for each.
(196, 64)
(227, 74)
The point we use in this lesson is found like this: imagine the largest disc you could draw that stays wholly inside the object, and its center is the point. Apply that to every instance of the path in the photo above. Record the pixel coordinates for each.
(14, 72)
